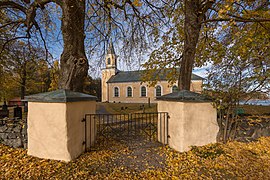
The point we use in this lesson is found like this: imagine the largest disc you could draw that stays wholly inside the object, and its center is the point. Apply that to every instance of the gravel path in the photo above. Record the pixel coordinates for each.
(136, 154)
(133, 153)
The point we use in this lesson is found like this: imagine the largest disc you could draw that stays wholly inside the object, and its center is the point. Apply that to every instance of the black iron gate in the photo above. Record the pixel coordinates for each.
(99, 128)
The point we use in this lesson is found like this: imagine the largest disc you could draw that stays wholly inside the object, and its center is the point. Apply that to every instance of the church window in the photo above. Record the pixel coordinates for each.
(109, 61)
(143, 91)
(174, 89)
(116, 92)
(158, 90)
(129, 92)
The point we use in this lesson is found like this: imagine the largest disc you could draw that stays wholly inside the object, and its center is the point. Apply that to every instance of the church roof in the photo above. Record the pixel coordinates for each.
(136, 76)
(185, 96)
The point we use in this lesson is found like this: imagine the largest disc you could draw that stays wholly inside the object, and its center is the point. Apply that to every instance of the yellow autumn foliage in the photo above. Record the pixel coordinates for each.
(214, 161)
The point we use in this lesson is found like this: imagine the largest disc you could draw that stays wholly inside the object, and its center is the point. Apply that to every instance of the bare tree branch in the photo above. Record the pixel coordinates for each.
(11, 4)
(11, 23)
(10, 40)
(236, 20)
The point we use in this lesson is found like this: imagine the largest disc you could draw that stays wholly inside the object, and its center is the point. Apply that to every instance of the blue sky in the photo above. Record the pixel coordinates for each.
(56, 50)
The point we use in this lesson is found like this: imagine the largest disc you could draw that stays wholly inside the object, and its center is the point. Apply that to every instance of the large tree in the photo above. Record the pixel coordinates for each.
(201, 29)
(74, 64)
(79, 18)
(23, 71)
(194, 25)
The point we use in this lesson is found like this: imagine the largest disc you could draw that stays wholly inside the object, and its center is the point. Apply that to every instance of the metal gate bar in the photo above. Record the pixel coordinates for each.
(101, 127)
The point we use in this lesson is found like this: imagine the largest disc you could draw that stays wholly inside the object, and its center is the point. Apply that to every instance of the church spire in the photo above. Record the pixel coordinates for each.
(110, 49)
(111, 61)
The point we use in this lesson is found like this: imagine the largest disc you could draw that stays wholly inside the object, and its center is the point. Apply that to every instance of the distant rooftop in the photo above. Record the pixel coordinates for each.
(136, 76)
(185, 96)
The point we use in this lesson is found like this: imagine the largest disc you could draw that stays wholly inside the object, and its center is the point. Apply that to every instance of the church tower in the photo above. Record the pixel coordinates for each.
(108, 72)
(111, 57)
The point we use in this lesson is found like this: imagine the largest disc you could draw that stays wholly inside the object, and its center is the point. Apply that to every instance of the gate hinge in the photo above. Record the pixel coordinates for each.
(83, 120)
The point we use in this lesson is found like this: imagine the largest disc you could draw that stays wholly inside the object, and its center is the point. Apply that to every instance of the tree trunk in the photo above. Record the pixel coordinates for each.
(23, 80)
(74, 64)
(194, 14)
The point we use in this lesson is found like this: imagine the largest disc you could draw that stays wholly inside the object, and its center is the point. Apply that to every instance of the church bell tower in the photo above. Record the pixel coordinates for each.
(108, 72)
(111, 57)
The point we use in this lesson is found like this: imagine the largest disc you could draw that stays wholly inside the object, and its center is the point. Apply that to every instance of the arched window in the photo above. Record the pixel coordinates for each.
(116, 92)
(129, 92)
(158, 90)
(143, 91)
(174, 89)
(109, 61)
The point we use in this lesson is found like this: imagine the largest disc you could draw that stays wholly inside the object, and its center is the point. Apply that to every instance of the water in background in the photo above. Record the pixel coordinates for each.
(257, 102)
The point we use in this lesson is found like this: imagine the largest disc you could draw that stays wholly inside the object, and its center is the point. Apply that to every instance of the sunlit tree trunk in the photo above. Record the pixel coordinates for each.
(194, 14)
(73, 62)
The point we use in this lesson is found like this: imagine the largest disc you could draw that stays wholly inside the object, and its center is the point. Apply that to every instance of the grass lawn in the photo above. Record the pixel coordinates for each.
(117, 108)
(216, 161)
(125, 108)
(256, 110)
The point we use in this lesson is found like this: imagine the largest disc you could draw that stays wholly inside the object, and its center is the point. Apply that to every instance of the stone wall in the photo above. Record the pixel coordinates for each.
(252, 128)
(248, 129)
(13, 133)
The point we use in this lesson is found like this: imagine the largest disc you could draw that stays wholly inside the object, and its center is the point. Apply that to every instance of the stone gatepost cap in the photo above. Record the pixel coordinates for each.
(60, 96)
(185, 96)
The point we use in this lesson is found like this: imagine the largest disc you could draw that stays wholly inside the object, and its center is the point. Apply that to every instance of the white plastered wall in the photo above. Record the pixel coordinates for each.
(190, 123)
(55, 130)
(76, 128)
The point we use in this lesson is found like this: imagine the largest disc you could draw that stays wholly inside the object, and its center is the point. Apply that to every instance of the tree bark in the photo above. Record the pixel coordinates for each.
(73, 63)
(23, 80)
(194, 13)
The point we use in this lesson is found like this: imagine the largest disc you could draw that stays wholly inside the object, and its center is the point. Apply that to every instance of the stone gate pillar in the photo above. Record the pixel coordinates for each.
(55, 127)
(192, 122)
